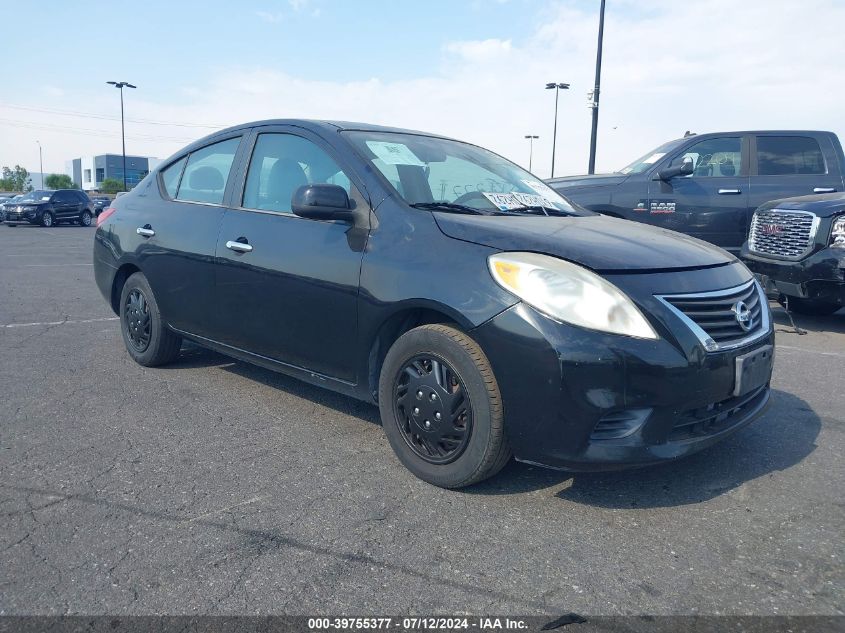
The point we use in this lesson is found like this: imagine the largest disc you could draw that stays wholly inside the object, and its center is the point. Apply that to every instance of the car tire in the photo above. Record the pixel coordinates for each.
(85, 218)
(147, 338)
(811, 307)
(46, 219)
(466, 443)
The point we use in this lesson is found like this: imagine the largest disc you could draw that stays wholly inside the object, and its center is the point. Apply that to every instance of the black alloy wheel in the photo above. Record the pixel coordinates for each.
(46, 219)
(137, 322)
(85, 218)
(433, 409)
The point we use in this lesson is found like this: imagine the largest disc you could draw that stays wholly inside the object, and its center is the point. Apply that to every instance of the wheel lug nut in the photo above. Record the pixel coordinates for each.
(416, 410)
(432, 397)
(437, 415)
(427, 424)
(419, 394)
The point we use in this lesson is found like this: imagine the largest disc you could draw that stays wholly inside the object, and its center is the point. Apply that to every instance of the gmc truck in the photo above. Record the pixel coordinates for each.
(708, 185)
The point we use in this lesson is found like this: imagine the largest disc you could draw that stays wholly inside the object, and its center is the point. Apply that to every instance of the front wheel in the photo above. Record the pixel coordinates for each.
(147, 338)
(47, 219)
(812, 307)
(441, 409)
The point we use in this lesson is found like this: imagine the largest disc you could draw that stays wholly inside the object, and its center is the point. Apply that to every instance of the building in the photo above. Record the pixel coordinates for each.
(89, 172)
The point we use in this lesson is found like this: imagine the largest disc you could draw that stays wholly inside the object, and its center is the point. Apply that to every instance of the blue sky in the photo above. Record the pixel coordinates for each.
(472, 69)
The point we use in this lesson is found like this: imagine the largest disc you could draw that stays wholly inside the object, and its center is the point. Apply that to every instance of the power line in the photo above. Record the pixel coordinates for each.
(87, 131)
(106, 117)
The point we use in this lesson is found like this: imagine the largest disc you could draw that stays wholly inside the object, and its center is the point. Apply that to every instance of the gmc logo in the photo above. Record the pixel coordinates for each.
(771, 229)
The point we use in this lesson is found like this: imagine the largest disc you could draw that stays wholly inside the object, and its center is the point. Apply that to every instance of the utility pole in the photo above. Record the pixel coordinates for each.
(40, 163)
(122, 85)
(557, 87)
(596, 93)
(531, 138)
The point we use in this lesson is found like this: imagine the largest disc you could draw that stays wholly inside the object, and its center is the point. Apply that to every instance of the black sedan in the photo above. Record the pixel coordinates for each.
(49, 208)
(484, 314)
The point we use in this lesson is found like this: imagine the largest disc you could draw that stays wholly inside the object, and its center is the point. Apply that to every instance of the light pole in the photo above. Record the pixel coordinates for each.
(40, 163)
(596, 89)
(557, 87)
(122, 85)
(530, 138)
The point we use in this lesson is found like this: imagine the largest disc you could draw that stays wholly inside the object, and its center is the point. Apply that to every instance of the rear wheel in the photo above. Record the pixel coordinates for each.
(47, 219)
(811, 307)
(441, 408)
(147, 338)
(85, 218)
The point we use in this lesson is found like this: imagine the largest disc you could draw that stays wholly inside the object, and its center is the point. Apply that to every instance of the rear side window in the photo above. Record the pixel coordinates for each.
(783, 155)
(170, 176)
(206, 172)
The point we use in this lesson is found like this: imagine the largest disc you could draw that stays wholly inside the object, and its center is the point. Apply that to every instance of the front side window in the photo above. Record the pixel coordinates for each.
(714, 157)
(206, 172)
(785, 155)
(280, 164)
(432, 171)
(644, 163)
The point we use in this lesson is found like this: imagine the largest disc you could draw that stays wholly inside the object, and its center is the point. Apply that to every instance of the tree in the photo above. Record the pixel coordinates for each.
(59, 181)
(111, 185)
(16, 179)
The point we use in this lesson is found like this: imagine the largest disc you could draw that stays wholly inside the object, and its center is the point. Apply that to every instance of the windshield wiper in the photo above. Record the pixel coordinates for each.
(448, 206)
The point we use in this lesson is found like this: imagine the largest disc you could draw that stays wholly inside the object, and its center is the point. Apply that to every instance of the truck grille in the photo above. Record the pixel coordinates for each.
(725, 318)
(785, 234)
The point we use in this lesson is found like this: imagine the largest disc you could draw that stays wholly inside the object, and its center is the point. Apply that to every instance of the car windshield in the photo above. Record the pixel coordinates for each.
(644, 163)
(441, 174)
(36, 196)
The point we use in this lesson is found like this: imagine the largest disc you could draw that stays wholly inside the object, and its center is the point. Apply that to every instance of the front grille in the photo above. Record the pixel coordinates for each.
(717, 318)
(716, 417)
(786, 234)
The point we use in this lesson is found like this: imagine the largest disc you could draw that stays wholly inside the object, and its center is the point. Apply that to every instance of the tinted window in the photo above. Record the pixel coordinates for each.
(714, 157)
(782, 155)
(206, 172)
(170, 177)
(281, 163)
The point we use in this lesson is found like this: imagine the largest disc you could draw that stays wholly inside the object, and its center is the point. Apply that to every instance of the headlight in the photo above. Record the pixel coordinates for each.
(567, 292)
(837, 233)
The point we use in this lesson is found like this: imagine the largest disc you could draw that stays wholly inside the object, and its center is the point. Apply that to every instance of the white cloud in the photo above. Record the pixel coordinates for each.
(668, 67)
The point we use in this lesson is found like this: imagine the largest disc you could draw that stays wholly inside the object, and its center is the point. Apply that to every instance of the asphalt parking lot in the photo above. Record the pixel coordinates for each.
(214, 487)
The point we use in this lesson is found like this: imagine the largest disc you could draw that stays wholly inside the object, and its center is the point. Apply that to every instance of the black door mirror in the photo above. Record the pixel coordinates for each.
(684, 169)
(322, 202)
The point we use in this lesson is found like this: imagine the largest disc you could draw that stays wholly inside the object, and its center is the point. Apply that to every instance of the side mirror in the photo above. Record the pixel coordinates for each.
(684, 169)
(321, 202)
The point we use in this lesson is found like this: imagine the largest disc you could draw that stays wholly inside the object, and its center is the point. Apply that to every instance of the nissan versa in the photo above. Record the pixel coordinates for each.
(482, 312)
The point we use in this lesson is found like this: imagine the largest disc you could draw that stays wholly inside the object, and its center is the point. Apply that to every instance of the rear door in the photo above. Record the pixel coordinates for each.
(293, 295)
(787, 165)
(64, 205)
(712, 202)
(175, 222)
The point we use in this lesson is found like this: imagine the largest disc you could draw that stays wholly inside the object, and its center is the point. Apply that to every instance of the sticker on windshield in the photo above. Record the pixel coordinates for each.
(531, 199)
(503, 201)
(537, 186)
(394, 153)
(654, 158)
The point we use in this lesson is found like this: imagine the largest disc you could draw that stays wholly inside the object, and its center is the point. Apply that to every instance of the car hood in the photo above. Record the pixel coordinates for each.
(594, 180)
(602, 243)
(823, 205)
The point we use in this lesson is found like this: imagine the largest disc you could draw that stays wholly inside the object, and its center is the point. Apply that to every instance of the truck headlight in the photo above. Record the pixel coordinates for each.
(567, 292)
(837, 233)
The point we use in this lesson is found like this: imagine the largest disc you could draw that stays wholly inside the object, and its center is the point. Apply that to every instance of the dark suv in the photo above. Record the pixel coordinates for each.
(51, 207)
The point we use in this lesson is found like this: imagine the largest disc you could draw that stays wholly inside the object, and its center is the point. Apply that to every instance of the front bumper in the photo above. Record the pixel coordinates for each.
(563, 387)
(819, 276)
(21, 217)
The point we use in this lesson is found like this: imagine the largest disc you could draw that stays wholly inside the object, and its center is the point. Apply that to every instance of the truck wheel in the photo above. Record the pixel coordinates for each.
(441, 409)
(47, 219)
(812, 307)
(147, 339)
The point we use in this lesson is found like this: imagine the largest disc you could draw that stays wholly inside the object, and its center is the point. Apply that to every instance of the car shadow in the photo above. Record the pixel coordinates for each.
(833, 323)
(783, 437)
(196, 356)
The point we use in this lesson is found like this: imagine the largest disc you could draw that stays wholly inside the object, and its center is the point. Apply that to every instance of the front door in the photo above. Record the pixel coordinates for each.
(286, 286)
(712, 202)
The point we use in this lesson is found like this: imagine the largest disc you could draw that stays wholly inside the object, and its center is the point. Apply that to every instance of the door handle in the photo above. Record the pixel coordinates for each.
(145, 231)
(239, 247)
(729, 192)
(824, 189)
